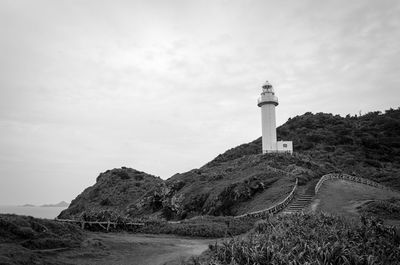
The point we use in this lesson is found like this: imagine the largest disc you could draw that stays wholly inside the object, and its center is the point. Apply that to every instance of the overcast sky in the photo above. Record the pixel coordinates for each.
(165, 86)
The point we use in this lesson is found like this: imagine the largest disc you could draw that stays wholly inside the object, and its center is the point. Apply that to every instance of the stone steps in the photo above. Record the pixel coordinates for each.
(301, 201)
(298, 204)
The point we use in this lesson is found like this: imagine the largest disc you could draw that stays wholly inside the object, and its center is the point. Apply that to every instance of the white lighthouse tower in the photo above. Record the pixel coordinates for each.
(268, 101)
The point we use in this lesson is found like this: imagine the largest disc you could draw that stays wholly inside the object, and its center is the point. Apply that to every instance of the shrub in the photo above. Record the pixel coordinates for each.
(123, 174)
(389, 209)
(139, 177)
(36, 233)
(106, 202)
(25, 232)
(203, 226)
(49, 243)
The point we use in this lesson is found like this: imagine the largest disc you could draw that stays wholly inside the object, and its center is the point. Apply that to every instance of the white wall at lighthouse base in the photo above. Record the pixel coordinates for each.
(285, 146)
(281, 147)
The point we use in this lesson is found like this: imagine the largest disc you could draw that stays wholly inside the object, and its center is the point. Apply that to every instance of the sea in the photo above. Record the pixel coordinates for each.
(34, 211)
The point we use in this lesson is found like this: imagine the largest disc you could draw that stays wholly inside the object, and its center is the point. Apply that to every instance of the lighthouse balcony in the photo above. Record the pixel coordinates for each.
(267, 99)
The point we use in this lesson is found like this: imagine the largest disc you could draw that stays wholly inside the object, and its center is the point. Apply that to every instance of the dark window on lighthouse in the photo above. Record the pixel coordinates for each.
(285, 145)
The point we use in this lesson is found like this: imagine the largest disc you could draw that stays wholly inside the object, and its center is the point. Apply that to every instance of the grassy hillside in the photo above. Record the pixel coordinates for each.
(237, 186)
(347, 198)
(242, 179)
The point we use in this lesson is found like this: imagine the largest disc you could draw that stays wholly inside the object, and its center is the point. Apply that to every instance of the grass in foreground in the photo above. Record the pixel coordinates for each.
(309, 239)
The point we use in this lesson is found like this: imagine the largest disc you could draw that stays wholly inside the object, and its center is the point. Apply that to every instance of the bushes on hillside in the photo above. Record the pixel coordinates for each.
(202, 226)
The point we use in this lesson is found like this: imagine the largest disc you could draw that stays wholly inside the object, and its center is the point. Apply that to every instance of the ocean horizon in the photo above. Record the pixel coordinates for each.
(34, 211)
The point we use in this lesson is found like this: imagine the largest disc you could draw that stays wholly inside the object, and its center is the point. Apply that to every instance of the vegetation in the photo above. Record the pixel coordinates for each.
(388, 209)
(231, 188)
(37, 233)
(226, 189)
(20, 236)
(367, 145)
(309, 239)
(202, 226)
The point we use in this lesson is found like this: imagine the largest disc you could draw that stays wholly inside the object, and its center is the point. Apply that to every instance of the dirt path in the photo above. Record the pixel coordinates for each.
(134, 249)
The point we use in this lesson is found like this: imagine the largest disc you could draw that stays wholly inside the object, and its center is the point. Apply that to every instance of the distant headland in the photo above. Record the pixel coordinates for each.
(60, 204)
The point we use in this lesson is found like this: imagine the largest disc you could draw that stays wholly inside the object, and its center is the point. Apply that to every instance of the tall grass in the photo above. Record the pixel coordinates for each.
(310, 239)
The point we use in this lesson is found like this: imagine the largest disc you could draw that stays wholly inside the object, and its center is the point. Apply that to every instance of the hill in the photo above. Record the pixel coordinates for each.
(242, 179)
(112, 193)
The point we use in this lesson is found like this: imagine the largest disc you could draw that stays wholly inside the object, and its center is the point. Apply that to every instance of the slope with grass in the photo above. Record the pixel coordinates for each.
(23, 238)
(347, 198)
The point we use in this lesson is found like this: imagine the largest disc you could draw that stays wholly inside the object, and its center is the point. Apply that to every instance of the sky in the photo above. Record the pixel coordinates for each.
(165, 86)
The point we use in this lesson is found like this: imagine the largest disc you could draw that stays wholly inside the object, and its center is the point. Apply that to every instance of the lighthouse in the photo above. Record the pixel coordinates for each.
(267, 102)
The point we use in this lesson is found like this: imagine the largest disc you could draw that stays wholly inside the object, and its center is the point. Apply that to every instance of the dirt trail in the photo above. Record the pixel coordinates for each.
(134, 249)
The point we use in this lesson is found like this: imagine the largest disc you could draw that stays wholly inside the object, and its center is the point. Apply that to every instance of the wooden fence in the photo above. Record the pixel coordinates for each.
(105, 224)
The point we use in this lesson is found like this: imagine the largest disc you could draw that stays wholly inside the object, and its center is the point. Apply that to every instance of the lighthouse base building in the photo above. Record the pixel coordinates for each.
(284, 147)
(267, 102)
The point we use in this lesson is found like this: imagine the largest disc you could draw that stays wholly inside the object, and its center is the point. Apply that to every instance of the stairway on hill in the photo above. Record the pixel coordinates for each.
(302, 200)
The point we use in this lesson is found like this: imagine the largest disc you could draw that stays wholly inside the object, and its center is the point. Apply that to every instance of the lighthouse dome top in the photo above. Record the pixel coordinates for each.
(267, 95)
(267, 88)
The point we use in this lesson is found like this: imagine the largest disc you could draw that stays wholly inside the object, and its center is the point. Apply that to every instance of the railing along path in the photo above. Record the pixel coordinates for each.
(104, 224)
(350, 178)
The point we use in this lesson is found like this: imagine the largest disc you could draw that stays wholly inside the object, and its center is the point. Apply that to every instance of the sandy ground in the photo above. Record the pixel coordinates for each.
(133, 249)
